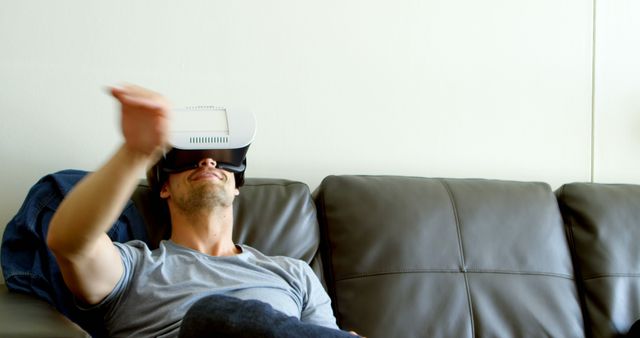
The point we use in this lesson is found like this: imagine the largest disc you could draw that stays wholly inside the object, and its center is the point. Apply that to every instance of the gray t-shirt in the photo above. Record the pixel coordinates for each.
(159, 286)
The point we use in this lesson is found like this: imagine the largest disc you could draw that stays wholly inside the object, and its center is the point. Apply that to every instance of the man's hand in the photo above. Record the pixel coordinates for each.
(145, 118)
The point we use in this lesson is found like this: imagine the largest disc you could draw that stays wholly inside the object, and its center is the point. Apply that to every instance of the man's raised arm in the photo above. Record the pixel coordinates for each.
(90, 264)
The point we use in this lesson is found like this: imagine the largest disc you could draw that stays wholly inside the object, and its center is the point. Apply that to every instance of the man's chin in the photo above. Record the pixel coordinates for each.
(207, 196)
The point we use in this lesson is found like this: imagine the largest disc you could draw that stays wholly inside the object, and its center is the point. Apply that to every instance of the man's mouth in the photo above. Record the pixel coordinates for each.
(207, 174)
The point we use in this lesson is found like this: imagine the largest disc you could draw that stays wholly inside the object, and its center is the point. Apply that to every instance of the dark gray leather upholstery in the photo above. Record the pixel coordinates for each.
(603, 222)
(420, 257)
(26, 316)
(417, 257)
(277, 217)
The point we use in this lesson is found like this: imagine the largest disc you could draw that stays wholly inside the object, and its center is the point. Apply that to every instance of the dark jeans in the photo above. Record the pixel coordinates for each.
(223, 316)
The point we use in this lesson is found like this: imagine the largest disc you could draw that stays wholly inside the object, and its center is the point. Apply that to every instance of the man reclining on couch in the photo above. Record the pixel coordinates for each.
(236, 289)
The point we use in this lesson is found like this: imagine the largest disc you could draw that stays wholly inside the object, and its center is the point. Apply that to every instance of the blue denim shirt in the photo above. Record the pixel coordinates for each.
(28, 265)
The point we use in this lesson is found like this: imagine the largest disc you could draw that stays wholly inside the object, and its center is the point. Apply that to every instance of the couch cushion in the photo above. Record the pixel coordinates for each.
(603, 221)
(27, 317)
(419, 257)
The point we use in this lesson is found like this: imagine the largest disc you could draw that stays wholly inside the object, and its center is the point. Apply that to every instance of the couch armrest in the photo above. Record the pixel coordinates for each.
(26, 316)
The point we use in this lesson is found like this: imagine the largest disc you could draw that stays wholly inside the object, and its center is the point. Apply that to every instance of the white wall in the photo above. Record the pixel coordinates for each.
(456, 88)
(617, 88)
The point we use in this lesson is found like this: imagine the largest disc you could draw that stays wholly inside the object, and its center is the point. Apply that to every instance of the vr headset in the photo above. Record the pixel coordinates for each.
(206, 132)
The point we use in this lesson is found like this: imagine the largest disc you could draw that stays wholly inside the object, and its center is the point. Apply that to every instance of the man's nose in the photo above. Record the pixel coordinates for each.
(205, 162)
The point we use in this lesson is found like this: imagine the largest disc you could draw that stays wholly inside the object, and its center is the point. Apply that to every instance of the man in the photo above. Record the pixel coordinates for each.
(147, 293)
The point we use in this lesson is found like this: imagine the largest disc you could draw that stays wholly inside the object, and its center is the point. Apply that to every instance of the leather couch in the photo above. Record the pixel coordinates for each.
(432, 257)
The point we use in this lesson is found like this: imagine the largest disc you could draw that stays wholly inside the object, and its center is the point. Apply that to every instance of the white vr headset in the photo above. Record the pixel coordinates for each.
(209, 132)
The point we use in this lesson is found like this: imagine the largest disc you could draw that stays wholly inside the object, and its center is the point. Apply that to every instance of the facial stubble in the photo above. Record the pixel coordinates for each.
(204, 197)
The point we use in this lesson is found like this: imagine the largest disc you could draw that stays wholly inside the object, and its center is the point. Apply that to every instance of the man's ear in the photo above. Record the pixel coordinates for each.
(164, 191)
(236, 192)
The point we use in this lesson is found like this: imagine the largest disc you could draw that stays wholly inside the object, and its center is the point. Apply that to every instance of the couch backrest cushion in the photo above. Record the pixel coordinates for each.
(419, 257)
(603, 222)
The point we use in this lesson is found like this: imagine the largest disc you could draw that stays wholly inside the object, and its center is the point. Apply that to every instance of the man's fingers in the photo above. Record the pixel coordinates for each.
(138, 97)
(141, 102)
